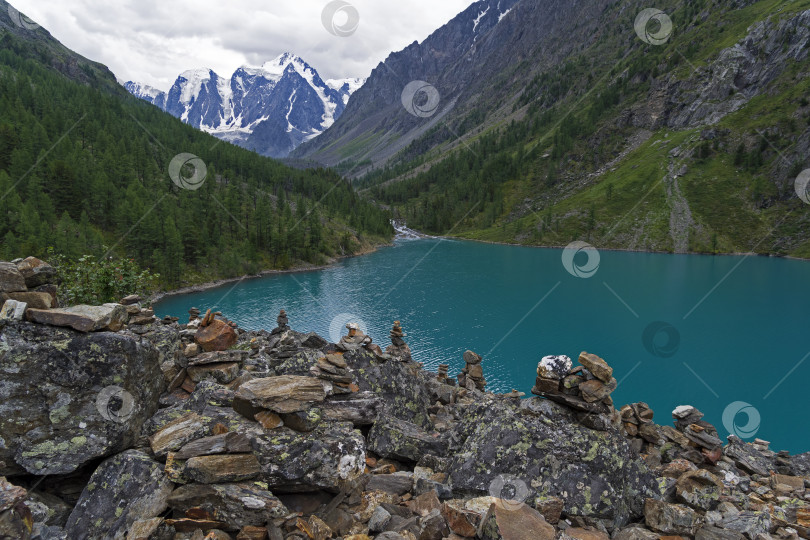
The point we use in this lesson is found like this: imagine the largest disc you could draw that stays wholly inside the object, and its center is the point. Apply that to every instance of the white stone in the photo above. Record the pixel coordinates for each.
(682, 411)
(13, 310)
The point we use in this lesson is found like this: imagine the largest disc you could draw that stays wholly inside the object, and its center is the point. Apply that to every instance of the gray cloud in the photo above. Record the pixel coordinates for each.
(152, 42)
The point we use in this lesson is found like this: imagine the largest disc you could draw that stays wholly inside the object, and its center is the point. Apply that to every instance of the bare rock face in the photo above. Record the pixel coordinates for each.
(124, 488)
(67, 397)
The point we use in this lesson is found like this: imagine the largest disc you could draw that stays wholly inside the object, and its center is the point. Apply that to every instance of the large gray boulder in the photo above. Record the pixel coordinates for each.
(67, 397)
(540, 449)
(125, 488)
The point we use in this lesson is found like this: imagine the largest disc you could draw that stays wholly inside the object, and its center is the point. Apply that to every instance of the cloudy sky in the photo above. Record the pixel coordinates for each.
(153, 41)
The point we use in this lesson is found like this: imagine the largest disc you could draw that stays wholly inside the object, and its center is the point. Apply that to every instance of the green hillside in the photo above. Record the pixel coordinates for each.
(84, 169)
(689, 146)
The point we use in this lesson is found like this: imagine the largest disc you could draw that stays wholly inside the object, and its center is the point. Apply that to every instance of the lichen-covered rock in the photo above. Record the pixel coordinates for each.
(238, 504)
(699, 489)
(67, 397)
(327, 458)
(596, 473)
(394, 438)
(125, 488)
(672, 519)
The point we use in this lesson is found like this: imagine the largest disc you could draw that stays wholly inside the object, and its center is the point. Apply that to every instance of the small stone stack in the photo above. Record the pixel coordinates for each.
(702, 435)
(26, 284)
(585, 388)
(282, 322)
(472, 376)
(333, 368)
(354, 340)
(441, 373)
(398, 348)
(193, 315)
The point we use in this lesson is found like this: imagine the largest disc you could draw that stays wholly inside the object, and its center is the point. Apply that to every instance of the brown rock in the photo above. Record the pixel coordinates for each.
(11, 280)
(176, 433)
(550, 507)
(146, 529)
(227, 443)
(318, 529)
(676, 468)
(597, 390)
(82, 318)
(543, 385)
(215, 336)
(10, 494)
(672, 519)
(283, 394)
(598, 367)
(522, 523)
(190, 525)
(222, 373)
(460, 520)
(251, 532)
(425, 503)
(268, 420)
(796, 483)
(222, 468)
(586, 534)
(35, 300)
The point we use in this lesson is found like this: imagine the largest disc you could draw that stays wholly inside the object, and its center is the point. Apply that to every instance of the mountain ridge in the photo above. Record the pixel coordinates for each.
(269, 109)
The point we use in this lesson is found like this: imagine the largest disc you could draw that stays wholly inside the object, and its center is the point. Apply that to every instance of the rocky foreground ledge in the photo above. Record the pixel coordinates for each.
(138, 428)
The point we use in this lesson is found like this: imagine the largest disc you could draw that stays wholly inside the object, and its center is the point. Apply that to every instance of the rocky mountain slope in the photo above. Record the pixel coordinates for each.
(116, 424)
(592, 121)
(270, 110)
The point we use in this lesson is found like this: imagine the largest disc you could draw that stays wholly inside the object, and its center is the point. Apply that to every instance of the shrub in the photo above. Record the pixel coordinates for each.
(94, 281)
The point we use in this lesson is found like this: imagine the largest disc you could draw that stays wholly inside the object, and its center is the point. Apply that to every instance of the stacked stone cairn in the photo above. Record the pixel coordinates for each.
(354, 340)
(441, 373)
(398, 349)
(585, 388)
(472, 375)
(282, 322)
(194, 316)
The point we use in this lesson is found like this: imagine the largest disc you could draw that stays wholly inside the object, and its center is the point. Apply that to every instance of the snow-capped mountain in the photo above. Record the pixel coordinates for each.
(270, 109)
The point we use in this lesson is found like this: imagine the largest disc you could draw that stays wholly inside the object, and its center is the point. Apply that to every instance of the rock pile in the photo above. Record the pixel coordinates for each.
(472, 374)
(26, 284)
(285, 436)
(585, 388)
(398, 349)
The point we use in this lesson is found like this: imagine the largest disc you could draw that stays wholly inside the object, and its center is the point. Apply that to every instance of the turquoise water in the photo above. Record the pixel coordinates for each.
(725, 334)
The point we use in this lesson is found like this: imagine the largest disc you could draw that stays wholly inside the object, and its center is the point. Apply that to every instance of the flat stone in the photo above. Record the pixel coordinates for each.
(11, 280)
(283, 394)
(597, 390)
(215, 357)
(177, 433)
(396, 484)
(222, 373)
(554, 366)
(699, 489)
(222, 468)
(523, 523)
(226, 443)
(749, 523)
(82, 318)
(13, 310)
(543, 386)
(597, 366)
(669, 518)
(36, 272)
(237, 504)
(35, 300)
(712, 532)
(550, 507)
(586, 534)
(425, 503)
(461, 521)
(216, 336)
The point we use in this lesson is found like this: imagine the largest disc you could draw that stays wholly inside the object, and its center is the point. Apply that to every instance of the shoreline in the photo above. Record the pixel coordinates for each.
(208, 285)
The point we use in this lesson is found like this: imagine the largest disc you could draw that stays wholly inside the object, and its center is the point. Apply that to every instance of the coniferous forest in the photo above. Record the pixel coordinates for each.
(84, 170)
